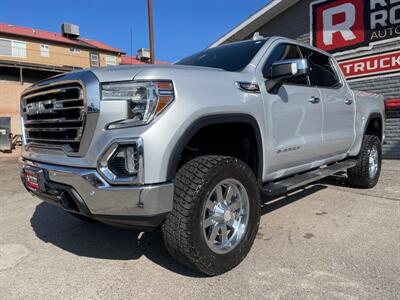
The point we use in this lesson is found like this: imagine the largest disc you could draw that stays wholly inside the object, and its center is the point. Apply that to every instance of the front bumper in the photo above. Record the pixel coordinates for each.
(85, 192)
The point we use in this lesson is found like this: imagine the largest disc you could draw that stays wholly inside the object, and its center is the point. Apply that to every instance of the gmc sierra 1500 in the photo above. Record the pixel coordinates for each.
(191, 146)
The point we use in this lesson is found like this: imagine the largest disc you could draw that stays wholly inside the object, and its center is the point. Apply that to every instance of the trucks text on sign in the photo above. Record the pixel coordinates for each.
(341, 26)
(382, 64)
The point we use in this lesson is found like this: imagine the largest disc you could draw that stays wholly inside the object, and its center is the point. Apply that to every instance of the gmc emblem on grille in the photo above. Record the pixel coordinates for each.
(39, 108)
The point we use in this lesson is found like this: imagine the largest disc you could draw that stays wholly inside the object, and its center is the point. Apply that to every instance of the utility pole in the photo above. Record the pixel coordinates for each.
(131, 45)
(151, 30)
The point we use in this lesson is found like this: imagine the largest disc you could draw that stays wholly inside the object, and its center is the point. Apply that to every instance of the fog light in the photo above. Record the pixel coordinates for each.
(123, 163)
(130, 159)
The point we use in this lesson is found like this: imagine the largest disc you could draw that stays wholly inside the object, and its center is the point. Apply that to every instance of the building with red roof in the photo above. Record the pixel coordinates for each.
(65, 50)
(55, 37)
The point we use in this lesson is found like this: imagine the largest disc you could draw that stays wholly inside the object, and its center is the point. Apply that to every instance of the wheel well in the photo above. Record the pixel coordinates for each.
(374, 127)
(237, 139)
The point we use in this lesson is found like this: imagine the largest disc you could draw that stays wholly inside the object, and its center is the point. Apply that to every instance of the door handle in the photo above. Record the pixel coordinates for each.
(314, 99)
(348, 101)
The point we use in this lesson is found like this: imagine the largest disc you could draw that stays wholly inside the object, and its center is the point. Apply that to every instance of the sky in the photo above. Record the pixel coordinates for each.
(181, 27)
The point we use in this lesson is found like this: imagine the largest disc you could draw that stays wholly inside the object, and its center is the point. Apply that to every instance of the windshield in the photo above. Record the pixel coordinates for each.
(230, 57)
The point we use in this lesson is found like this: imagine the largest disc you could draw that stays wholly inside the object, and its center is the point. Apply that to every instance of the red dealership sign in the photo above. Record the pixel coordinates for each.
(340, 26)
(381, 64)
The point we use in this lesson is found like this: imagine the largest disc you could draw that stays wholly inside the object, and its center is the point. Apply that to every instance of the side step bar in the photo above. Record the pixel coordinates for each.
(291, 183)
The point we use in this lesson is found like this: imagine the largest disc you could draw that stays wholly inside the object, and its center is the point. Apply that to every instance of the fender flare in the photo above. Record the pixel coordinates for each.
(202, 122)
(375, 116)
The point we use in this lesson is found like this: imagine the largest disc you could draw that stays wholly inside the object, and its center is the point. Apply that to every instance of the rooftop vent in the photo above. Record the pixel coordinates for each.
(70, 31)
(143, 54)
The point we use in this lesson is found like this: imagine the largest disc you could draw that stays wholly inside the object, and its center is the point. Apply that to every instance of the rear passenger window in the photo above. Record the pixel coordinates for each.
(280, 53)
(323, 74)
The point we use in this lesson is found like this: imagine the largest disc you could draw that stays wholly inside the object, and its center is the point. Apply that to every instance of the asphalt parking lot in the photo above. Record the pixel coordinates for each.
(325, 241)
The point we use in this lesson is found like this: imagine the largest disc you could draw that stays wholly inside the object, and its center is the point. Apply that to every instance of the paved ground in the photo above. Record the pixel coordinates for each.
(327, 241)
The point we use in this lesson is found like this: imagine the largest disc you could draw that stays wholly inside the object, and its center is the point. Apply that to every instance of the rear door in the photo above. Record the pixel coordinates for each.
(293, 116)
(338, 106)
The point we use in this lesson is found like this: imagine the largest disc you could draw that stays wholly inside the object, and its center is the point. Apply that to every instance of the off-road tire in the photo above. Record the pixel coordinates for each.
(182, 231)
(358, 176)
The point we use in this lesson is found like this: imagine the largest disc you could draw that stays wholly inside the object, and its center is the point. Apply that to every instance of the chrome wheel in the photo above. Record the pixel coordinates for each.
(373, 162)
(225, 216)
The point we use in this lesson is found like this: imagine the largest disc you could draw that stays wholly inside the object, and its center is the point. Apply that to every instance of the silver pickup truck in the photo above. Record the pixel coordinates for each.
(191, 147)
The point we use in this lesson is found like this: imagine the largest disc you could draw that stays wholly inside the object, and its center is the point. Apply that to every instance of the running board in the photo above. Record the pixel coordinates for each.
(291, 183)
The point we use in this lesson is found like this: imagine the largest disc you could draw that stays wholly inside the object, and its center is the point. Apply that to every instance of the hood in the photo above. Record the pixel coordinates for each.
(121, 73)
(125, 73)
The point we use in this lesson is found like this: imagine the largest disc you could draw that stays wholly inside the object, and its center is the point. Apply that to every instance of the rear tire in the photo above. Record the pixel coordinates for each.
(367, 171)
(215, 216)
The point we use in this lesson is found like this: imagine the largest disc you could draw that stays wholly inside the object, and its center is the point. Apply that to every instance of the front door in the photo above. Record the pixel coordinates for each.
(294, 118)
(294, 126)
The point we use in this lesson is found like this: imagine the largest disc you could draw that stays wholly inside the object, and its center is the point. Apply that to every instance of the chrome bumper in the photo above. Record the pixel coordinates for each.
(102, 200)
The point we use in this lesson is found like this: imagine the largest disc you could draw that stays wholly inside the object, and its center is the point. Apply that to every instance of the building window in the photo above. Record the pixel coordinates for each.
(111, 60)
(12, 48)
(74, 50)
(44, 50)
(5, 47)
(94, 60)
(19, 49)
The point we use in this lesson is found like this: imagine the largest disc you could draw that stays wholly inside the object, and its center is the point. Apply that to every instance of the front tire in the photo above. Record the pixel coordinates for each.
(216, 214)
(368, 169)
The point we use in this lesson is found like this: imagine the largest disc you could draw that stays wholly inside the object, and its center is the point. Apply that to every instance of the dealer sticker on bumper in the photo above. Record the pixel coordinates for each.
(32, 181)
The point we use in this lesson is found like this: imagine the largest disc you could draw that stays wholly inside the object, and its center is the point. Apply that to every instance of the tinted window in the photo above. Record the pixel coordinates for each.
(283, 52)
(230, 57)
(322, 72)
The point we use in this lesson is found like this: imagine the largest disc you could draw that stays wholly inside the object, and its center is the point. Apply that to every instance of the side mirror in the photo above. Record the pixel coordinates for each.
(284, 70)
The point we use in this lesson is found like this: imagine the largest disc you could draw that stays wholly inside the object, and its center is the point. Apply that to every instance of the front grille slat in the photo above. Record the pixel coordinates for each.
(55, 116)
(53, 140)
(49, 129)
(48, 121)
(70, 100)
(69, 108)
(49, 92)
(54, 110)
(61, 108)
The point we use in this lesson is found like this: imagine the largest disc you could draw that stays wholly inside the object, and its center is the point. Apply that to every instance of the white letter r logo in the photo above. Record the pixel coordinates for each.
(344, 28)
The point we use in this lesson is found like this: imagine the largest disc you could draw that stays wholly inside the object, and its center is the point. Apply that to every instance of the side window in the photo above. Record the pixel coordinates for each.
(323, 74)
(283, 52)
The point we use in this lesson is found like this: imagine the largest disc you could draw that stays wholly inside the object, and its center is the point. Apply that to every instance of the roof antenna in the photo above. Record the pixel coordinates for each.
(257, 36)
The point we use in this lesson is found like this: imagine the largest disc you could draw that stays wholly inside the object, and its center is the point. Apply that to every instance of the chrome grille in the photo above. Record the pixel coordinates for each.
(54, 117)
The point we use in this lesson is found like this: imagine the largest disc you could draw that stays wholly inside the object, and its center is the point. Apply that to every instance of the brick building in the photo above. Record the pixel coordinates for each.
(363, 35)
(28, 55)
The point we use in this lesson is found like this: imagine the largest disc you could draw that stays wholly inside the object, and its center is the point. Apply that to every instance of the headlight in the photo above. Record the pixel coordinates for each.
(145, 100)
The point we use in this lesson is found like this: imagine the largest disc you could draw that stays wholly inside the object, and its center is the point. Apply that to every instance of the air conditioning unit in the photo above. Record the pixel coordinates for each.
(143, 54)
(70, 30)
